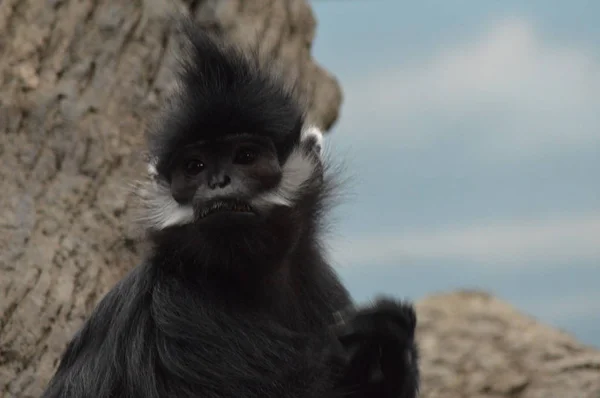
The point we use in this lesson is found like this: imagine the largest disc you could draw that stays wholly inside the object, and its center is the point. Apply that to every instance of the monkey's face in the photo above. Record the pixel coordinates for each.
(233, 195)
(219, 180)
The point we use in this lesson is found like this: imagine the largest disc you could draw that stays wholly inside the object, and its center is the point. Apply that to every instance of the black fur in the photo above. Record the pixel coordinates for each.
(240, 309)
(380, 343)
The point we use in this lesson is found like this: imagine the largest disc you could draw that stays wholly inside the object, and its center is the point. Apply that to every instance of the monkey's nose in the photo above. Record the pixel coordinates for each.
(220, 181)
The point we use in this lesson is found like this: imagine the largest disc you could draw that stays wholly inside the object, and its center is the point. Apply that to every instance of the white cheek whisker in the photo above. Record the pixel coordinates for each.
(158, 208)
(297, 171)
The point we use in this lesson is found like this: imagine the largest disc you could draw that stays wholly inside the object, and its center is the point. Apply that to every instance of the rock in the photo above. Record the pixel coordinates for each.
(474, 345)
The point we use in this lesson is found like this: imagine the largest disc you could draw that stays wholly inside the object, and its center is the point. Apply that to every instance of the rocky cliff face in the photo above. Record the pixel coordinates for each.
(78, 80)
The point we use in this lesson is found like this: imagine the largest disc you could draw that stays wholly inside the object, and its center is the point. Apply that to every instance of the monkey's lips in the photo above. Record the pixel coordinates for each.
(224, 206)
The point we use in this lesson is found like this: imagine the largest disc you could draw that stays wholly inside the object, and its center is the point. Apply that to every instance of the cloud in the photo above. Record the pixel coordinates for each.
(509, 243)
(508, 92)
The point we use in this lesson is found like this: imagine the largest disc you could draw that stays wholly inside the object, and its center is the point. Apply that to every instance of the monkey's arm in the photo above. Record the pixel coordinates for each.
(381, 350)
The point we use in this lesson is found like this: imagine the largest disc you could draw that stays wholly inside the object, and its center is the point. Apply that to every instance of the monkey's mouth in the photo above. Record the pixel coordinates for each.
(222, 206)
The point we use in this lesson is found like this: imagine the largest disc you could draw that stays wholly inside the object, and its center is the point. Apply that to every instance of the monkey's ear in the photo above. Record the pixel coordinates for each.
(312, 140)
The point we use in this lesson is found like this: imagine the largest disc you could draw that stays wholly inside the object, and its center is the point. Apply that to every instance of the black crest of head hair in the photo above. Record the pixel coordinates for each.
(224, 89)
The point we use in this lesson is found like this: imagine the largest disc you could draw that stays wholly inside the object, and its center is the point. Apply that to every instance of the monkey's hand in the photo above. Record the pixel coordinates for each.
(381, 355)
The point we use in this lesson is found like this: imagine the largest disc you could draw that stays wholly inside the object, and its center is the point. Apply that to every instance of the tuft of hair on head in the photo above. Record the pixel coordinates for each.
(223, 88)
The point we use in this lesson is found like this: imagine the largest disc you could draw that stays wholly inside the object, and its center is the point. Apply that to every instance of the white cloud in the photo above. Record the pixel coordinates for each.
(509, 243)
(509, 92)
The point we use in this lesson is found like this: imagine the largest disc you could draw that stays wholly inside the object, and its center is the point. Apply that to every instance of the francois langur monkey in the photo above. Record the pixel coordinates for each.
(235, 297)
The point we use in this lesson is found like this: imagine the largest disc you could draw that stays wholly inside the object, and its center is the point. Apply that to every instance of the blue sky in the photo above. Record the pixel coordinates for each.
(471, 131)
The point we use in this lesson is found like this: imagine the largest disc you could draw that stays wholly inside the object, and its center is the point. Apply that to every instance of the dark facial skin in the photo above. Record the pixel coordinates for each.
(232, 170)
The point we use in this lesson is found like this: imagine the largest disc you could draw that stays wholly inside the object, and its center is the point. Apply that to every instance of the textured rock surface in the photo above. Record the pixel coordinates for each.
(78, 78)
(475, 346)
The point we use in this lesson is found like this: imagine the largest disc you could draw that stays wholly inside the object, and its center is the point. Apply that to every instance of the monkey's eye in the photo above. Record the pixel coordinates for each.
(193, 167)
(245, 156)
